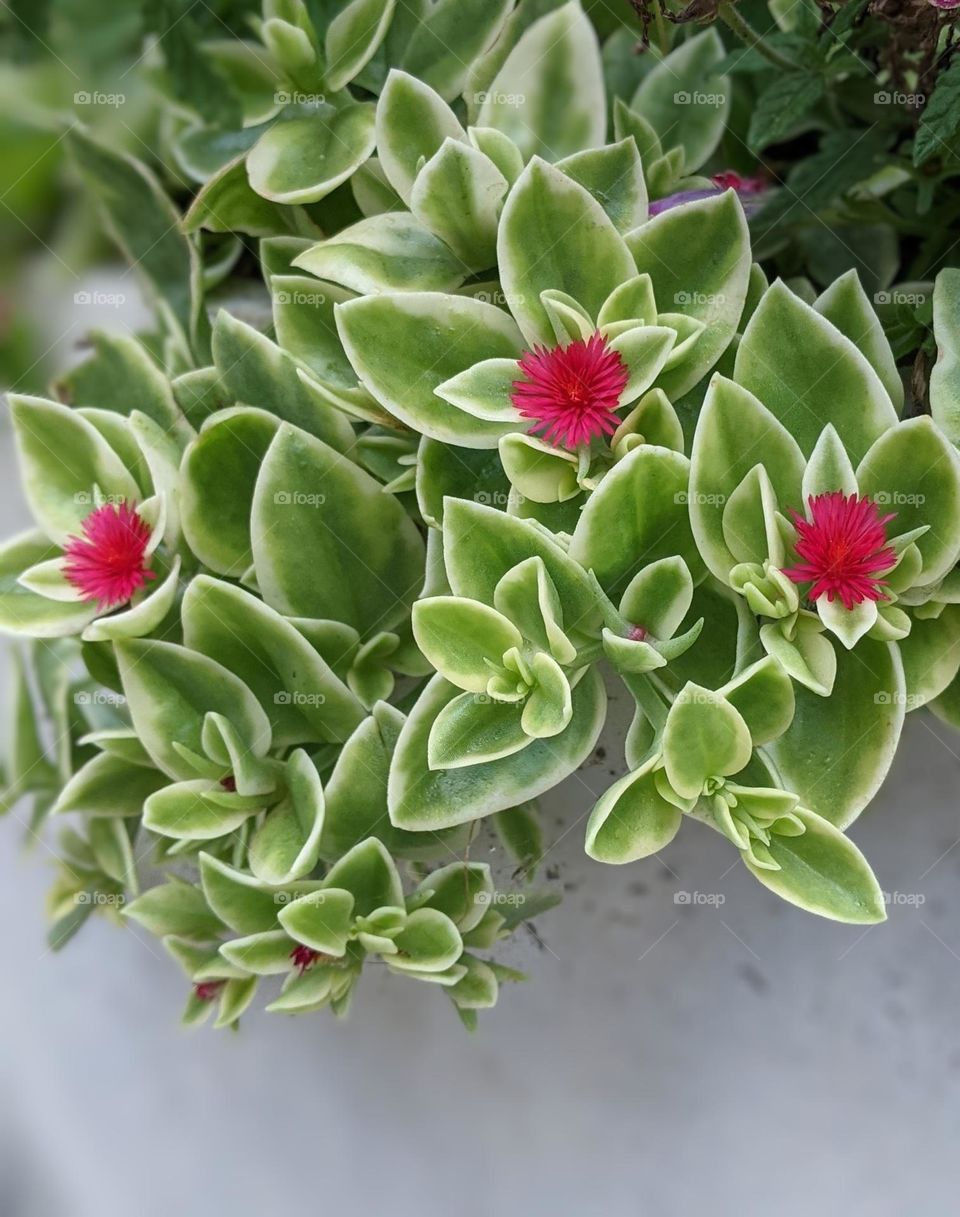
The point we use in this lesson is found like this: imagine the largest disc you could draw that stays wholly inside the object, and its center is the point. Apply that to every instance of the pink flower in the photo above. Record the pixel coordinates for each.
(108, 563)
(304, 957)
(844, 547)
(571, 393)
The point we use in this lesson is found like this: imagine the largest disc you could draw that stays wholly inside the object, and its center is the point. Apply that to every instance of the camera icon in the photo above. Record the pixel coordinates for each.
(681, 897)
(881, 98)
(282, 498)
(81, 98)
(681, 99)
(283, 698)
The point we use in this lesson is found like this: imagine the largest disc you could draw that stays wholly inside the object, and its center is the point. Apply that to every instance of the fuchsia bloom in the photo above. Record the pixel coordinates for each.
(304, 957)
(844, 547)
(207, 990)
(571, 392)
(108, 563)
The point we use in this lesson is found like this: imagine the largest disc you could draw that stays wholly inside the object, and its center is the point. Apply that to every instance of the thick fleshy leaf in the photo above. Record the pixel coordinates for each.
(931, 656)
(219, 472)
(306, 329)
(412, 121)
(763, 696)
(808, 654)
(685, 100)
(734, 434)
(807, 373)
(945, 374)
(458, 195)
(698, 257)
(914, 471)
(177, 908)
(327, 542)
(637, 515)
(464, 472)
(847, 306)
(448, 38)
(421, 799)
(241, 900)
(286, 845)
(461, 890)
(228, 203)
(838, 749)
(463, 638)
(370, 875)
(548, 95)
(828, 468)
(25, 612)
(353, 37)
(256, 372)
(303, 697)
(301, 160)
(403, 346)
(823, 872)
(614, 176)
(527, 595)
(180, 811)
(631, 820)
(389, 252)
(108, 786)
(704, 737)
(170, 689)
(320, 920)
(481, 544)
(471, 730)
(538, 470)
(428, 942)
(63, 458)
(554, 234)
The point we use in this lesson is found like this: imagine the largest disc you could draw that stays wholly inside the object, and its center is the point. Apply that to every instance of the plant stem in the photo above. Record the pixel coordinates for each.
(734, 20)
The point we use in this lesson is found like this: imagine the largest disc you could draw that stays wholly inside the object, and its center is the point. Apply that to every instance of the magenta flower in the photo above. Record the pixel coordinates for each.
(108, 563)
(844, 547)
(571, 393)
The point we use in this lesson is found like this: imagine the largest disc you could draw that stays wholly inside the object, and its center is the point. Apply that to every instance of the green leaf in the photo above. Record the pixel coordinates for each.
(301, 160)
(637, 515)
(255, 372)
(303, 316)
(838, 749)
(412, 121)
(808, 374)
(23, 611)
(219, 472)
(482, 544)
(631, 820)
(785, 101)
(846, 305)
(327, 542)
(448, 38)
(385, 253)
(686, 100)
(915, 470)
(180, 811)
(428, 942)
(421, 799)
(304, 699)
(108, 786)
(353, 37)
(940, 121)
(945, 374)
(555, 235)
(704, 737)
(472, 730)
(698, 257)
(141, 220)
(458, 195)
(462, 638)
(548, 95)
(242, 901)
(370, 875)
(176, 908)
(614, 176)
(467, 473)
(931, 656)
(403, 346)
(823, 872)
(63, 459)
(170, 689)
(763, 696)
(228, 203)
(320, 920)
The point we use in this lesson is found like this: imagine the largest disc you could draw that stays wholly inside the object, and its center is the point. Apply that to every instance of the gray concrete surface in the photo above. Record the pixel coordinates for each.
(736, 1058)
